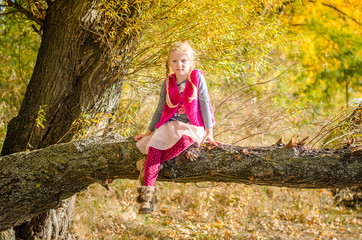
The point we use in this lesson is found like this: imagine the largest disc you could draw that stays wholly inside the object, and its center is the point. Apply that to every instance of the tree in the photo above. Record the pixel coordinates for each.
(80, 69)
(71, 76)
(89, 48)
(36, 181)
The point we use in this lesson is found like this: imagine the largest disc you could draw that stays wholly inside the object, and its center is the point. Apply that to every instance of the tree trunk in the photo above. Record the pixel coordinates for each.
(34, 182)
(72, 76)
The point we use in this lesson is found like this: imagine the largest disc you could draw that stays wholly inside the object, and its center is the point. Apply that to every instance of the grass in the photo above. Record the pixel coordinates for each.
(214, 211)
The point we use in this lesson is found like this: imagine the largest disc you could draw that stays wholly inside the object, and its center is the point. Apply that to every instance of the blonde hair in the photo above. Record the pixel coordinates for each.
(184, 47)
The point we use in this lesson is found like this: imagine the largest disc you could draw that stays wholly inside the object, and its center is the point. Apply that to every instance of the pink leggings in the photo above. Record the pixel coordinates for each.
(156, 157)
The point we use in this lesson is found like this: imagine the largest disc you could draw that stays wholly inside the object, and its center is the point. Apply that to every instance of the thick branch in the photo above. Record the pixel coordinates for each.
(24, 11)
(34, 182)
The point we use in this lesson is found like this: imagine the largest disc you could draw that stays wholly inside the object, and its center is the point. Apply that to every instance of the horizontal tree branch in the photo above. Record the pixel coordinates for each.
(34, 182)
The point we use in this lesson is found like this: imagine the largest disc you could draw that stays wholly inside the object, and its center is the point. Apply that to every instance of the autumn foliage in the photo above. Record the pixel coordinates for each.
(274, 69)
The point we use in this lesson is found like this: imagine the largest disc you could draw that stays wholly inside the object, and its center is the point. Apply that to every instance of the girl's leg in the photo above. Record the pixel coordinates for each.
(155, 157)
(152, 166)
(146, 197)
(184, 143)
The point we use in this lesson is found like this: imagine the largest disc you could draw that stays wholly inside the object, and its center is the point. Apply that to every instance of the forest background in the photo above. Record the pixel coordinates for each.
(274, 69)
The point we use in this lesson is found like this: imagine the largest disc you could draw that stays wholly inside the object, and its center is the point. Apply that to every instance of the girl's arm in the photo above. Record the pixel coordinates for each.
(204, 102)
(140, 136)
(209, 138)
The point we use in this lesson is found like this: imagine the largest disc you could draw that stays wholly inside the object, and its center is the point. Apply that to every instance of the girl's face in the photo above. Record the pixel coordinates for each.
(180, 63)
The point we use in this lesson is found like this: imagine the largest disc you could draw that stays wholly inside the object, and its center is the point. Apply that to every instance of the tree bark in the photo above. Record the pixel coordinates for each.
(34, 182)
(72, 76)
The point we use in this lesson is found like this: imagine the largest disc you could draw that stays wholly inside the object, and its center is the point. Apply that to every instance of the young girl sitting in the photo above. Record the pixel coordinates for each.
(183, 116)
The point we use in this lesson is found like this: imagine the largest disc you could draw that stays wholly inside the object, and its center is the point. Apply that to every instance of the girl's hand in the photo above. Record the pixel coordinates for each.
(140, 136)
(209, 138)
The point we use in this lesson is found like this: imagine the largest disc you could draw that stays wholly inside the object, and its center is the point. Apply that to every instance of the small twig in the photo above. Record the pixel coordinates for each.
(167, 11)
(343, 13)
(255, 84)
(38, 31)
(202, 187)
(120, 115)
(334, 139)
(339, 119)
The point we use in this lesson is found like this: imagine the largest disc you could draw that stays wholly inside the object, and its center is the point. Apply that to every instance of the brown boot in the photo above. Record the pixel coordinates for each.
(146, 199)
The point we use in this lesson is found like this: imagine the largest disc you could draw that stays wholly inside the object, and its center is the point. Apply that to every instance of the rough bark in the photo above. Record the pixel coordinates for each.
(72, 76)
(350, 197)
(34, 182)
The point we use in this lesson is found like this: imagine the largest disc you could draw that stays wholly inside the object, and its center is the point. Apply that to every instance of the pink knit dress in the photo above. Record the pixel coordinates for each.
(169, 134)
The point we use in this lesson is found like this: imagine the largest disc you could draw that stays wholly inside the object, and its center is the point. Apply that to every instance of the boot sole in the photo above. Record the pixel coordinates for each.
(145, 211)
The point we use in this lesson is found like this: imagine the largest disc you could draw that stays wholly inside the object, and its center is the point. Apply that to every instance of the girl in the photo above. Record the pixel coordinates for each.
(183, 116)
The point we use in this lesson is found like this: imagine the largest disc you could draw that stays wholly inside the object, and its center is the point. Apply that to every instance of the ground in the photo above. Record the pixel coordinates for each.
(214, 211)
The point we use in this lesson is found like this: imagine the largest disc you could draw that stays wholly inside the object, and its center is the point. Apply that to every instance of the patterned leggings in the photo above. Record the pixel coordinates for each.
(156, 157)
